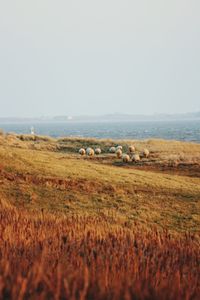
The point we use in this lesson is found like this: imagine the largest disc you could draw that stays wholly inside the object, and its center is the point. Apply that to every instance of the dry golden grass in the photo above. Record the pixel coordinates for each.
(45, 256)
(93, 228)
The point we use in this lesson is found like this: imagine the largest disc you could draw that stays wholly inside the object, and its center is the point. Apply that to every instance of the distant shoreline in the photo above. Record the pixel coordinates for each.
(34, 121)
(106, 118)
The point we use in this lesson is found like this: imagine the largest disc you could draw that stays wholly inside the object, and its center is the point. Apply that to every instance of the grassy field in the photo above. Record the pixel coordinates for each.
(76, 227)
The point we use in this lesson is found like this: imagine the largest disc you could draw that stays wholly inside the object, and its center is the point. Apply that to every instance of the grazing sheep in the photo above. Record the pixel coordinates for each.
(135, 157)
(131, 149)
(145, 152)
(125, 158)
(89, 151)
(97, 151)
(82, 151)
(112, 150)
(119, 148)
(119, 153)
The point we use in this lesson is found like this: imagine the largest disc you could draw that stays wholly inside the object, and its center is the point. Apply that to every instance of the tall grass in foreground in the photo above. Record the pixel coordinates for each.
(55, 257)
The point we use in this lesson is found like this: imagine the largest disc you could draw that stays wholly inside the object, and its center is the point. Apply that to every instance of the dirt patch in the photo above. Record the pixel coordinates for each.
(191, 170)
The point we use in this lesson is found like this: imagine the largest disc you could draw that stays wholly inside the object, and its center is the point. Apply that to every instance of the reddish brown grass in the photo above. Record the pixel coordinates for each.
(44, 256)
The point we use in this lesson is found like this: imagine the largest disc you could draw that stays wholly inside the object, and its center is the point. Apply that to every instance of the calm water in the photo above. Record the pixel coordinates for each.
(176, 130)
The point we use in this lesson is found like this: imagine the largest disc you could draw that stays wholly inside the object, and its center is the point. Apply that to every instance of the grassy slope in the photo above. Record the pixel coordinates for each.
(79, 228)
(65, 183)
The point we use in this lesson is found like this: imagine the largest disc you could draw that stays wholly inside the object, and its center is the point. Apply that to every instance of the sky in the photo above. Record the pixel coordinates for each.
(75, 57)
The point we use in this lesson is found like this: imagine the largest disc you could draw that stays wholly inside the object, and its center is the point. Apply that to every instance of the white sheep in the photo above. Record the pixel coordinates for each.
(82, 151)
(89, 151)
(119, 148)
(112, 150)
(119, 153)
(135, 157)
(131, 149)
(97, 151)
(125, 158)
(145, 152)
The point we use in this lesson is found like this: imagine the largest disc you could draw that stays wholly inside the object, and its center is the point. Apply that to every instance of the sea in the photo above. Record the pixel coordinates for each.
(170, 130)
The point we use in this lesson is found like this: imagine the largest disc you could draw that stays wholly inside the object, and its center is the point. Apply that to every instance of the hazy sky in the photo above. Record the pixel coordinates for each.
(93, 57)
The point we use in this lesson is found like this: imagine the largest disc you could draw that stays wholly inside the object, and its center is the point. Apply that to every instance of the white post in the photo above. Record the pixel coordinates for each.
(32, 131)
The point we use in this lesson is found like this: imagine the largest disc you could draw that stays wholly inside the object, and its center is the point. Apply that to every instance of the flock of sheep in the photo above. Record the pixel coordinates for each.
(126, 157)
